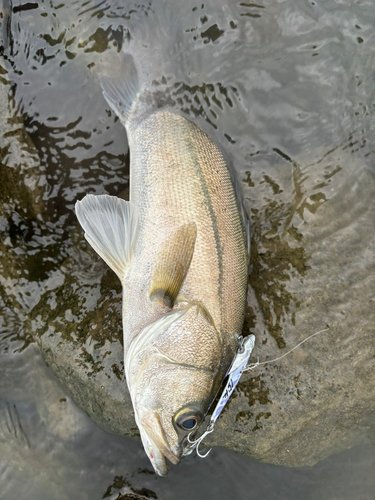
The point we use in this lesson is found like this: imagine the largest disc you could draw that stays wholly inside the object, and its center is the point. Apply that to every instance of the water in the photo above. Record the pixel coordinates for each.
(288, 89)
(50, 449)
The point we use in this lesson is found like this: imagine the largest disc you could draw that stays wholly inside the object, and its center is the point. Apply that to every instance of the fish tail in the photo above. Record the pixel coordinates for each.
(121, 89)
(155, 57)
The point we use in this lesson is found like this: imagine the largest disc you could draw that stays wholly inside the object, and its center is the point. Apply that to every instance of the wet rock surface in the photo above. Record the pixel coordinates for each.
(316, 272)
(318, 400)
(78, 327)
(313, 259)
(311, 269)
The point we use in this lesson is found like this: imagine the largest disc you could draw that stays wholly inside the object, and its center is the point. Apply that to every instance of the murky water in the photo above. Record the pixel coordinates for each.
(51, 450)
(282, 85)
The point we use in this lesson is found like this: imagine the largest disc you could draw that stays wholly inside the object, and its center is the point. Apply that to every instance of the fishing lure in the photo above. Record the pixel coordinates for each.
(245, 347)
(238, 367)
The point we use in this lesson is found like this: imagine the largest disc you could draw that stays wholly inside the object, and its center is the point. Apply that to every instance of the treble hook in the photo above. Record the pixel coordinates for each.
(188, 438)
(202, 456)
(195, 444)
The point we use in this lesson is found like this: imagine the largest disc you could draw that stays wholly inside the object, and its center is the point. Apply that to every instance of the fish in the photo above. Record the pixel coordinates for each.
(180, 248)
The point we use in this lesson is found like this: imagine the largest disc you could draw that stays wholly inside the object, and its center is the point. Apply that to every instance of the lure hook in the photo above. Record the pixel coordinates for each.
(195, 444)
(188, 438)
(199, 455)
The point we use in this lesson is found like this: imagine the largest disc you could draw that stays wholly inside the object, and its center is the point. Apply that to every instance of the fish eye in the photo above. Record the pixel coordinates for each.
(189, 424)
(188, 420)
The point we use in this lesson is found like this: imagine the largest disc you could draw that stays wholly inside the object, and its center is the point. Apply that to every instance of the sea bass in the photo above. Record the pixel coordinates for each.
(179, 248)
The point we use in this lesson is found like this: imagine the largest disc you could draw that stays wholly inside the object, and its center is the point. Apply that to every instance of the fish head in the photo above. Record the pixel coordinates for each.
(174, 369)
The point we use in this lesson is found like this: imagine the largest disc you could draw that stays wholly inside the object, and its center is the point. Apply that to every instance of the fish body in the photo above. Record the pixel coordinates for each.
(180, 178)
(179, 248)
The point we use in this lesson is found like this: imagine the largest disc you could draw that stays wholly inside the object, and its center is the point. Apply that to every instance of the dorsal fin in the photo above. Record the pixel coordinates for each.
(172, 265)
(110, 226)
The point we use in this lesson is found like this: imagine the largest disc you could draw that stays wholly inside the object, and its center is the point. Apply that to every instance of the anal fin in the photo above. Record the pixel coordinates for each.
(172, 265)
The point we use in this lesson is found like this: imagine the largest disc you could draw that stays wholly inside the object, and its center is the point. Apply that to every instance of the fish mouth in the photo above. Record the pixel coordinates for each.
(156, 445)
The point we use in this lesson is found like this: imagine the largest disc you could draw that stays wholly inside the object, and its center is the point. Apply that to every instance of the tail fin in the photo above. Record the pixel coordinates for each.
(122, 89)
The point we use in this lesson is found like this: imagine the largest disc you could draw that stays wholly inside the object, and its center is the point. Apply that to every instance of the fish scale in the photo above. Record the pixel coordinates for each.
(190, 182)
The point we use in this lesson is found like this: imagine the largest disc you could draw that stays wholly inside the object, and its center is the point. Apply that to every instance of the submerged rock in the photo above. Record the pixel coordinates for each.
(313, 268)
(78, 327)
(22, 186)
(313, 260)
(19, 164)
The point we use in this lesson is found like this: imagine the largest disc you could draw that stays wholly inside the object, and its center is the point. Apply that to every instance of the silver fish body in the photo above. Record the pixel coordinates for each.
(179, 177)
(185, 275)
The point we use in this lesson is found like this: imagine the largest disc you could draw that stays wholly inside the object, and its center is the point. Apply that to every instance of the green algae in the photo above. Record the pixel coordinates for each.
(266, 415)
(21, 206)
(296, 380)
(65, 311)
(249, 321)
(254, 390)
(88, 362)
(119, 372)
(120, 484)
(273, 260)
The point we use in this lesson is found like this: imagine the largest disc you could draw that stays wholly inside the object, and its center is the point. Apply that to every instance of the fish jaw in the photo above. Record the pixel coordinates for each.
(156, 445)
(155, 456)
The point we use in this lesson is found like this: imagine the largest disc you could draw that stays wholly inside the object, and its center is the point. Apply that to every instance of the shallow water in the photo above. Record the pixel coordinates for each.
(280, 85)
(50, 449)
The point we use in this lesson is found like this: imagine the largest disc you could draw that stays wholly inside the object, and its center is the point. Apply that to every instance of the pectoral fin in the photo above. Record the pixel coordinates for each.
(172, 265)
(110, 226)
